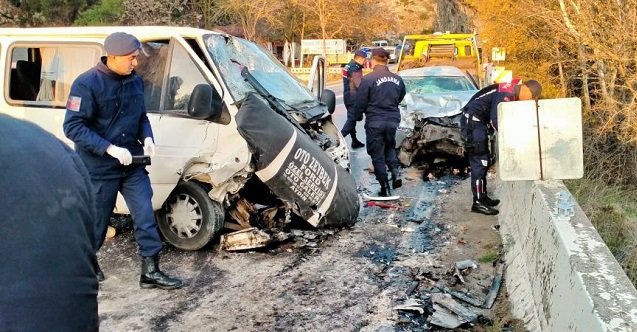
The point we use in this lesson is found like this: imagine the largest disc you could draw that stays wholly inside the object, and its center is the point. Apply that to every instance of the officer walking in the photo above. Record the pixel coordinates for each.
(106, 119)
(378, 97)
(480, 117)
(352, 75)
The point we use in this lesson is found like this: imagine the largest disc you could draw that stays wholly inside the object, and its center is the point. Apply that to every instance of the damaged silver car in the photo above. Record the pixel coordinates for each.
(430, 125)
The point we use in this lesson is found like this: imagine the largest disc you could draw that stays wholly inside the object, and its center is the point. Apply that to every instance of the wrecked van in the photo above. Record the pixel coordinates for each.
(239, 141)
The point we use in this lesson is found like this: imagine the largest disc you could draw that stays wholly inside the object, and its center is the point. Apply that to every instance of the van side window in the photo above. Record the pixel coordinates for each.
(43, 75)
(183, 76)
(151, 67)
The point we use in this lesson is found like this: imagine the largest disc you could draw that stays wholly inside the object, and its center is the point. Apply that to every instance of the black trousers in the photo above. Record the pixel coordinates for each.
(349, 128)
(381, 146)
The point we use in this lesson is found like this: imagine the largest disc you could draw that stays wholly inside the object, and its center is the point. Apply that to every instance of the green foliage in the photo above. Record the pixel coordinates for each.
(37, 12)
(106, 12)
(489, 256)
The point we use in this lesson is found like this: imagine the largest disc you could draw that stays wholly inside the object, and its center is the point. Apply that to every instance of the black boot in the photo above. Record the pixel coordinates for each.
(396, 181)
(479, 206)
(490, 201)
(100, 274)
(384, 189)
(356, 143)
(152, 277)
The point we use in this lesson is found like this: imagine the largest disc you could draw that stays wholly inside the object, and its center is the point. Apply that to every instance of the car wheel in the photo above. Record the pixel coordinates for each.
(190, 219)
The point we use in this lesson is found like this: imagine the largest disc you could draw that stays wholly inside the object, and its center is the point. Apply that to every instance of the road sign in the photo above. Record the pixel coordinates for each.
(540, 143)
(498, 54)
(315, 46)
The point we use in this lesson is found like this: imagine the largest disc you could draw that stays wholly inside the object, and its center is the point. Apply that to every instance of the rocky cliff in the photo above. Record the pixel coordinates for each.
(453, 16)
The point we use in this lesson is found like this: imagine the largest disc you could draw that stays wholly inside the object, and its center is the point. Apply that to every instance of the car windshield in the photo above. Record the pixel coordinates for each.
(437, 84)
(231, 54)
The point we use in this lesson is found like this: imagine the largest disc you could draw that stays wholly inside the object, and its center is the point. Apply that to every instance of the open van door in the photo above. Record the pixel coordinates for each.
(316, 82)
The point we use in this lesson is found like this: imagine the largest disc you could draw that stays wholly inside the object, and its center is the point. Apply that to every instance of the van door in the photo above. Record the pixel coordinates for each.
(316, 82)
(171, 70)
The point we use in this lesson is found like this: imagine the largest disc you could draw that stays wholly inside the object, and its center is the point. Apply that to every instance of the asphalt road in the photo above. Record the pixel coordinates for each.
(323, 280)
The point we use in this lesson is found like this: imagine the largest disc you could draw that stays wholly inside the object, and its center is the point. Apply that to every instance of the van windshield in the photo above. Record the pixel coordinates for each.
(232, 54)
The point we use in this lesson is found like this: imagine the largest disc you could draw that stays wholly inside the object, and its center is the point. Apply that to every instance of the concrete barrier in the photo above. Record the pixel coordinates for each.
(560, 275)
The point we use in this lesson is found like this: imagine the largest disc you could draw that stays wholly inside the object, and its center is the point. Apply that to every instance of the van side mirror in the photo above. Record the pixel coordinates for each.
(329, 98)
(205, 103)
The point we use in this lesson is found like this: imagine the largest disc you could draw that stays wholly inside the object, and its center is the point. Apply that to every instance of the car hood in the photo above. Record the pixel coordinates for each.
(432, 105)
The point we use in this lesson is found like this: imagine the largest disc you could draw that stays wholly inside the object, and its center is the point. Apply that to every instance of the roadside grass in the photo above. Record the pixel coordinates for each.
(613, 211)
(489, 256)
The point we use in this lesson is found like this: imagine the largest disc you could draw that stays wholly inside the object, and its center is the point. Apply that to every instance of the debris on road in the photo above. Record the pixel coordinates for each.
(465, 297)
(383, 205)
(466, 264)
(412, 288)
(412, 305)
(443, 318)
(444, 305)
(379, 198)
(110, 232)
(250, 238)
(495, 287)
(458, 275)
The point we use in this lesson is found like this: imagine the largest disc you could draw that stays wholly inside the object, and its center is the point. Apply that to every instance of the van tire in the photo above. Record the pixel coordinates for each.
(190, 219)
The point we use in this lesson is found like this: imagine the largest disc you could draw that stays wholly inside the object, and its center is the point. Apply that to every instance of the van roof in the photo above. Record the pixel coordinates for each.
(141, 32)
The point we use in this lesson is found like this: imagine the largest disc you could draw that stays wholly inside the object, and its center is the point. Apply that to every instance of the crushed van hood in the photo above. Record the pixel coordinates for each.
(295, 168)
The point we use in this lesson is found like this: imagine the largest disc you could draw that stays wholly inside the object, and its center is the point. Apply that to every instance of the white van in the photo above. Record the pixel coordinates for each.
(203, 169)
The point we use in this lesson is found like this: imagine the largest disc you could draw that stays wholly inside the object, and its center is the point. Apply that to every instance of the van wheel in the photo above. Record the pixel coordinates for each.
(190, 219)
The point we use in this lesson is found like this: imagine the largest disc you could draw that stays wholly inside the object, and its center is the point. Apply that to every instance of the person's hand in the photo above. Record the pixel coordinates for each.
(149, 147)
(121, 154)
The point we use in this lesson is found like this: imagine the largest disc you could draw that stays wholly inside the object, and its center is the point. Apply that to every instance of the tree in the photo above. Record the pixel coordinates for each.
(37, 12)
(251, 14)
(105, 13)
(156, 12)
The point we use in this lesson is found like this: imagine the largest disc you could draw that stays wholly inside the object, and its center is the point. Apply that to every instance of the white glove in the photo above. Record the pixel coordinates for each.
(149, 147)
(121, 154)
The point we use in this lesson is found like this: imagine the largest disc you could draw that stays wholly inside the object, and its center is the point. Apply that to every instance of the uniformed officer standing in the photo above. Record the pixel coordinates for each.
(352, 75)
(378, 97)
(47, 249)
(480, 116)
(106, 119)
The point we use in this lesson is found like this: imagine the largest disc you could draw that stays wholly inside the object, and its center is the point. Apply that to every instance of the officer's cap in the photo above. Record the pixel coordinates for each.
(361, 53)
(121, 43)
(380, 52)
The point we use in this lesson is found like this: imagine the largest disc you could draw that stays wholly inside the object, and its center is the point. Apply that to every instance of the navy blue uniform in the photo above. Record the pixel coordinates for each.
(378, 97)
(352, 75)
(106, 108)
(47, 255)
(481, 116)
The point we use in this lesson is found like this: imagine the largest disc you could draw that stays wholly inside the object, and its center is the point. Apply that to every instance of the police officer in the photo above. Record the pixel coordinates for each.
(106, 119)
(378, 97)
(480, 117)
(352, 75)
(47, 252)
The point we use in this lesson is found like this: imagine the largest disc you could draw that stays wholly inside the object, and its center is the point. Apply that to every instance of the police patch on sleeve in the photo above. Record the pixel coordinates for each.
(73, 103)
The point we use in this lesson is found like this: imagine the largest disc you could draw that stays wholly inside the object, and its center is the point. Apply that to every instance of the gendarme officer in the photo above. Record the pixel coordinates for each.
(378, 97)
(480, 117)
(352, 76)
(106, 119)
